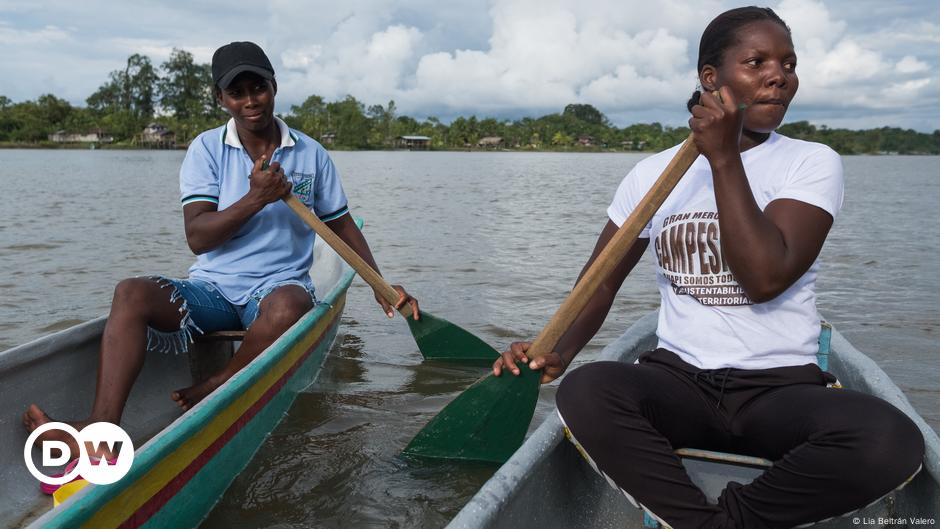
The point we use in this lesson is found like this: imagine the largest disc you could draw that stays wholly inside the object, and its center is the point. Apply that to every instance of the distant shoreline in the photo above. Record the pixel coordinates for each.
(49, 146)
(577, 150)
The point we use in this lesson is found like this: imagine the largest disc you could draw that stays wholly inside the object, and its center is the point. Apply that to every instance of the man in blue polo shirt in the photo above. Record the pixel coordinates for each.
(253, 253)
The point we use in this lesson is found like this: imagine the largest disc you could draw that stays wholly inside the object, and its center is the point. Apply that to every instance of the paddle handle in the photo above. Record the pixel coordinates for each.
(349, 255)
(614, 252)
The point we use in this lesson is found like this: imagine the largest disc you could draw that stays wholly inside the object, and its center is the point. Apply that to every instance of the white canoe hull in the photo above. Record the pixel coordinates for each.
(546, 484)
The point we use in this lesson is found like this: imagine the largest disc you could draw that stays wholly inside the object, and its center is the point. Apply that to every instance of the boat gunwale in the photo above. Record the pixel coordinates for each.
(27, 353)
(880, 385)
(80, 507)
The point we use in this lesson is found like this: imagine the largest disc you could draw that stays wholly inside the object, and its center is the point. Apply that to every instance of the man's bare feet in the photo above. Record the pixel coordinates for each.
(186, 398)
(34, 417)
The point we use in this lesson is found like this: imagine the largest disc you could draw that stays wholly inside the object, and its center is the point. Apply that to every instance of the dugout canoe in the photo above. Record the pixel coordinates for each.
(183, 461)
(547, 484)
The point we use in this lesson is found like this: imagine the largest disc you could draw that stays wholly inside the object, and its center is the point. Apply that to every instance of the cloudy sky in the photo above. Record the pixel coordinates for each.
(862, 63)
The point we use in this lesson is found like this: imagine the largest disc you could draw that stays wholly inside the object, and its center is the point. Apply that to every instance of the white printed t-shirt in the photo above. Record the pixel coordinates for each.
(705, 317)
(275, 245)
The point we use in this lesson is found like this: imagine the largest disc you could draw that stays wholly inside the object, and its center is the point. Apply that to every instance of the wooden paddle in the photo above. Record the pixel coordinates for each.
(488, 421)
(437, 338)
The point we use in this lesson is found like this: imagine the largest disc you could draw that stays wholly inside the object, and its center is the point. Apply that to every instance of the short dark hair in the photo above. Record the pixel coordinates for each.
(722, 33)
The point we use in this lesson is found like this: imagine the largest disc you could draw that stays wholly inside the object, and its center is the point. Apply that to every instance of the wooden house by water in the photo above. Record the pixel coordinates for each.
(156, 136)
(91, 136)
(490, 142)
(413, 143)
(328, 138)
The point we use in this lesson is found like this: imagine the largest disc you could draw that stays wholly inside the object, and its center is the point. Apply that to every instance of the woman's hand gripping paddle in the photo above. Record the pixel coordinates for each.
(488, 421)
(437, 339)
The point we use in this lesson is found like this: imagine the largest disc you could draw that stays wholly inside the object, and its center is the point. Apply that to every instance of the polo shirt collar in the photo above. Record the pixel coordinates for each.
(230, 134)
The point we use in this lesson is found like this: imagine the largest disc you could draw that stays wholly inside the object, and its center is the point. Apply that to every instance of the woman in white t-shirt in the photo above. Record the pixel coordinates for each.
(736, 247)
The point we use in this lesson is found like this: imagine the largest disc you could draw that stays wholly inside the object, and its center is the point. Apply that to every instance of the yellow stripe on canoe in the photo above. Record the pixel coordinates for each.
(125, 504)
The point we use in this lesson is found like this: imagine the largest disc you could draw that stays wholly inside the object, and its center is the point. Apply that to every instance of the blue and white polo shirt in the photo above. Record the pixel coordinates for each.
(274, 245)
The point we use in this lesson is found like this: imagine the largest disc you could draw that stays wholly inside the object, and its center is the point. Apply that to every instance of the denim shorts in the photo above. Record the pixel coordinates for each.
(205, 310)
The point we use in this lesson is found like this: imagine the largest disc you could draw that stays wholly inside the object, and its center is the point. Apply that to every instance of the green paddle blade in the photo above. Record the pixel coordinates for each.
(439, 339)
(487, 422)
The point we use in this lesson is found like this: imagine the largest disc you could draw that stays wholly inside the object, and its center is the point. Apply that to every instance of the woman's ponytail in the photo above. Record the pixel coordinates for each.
(696, 95)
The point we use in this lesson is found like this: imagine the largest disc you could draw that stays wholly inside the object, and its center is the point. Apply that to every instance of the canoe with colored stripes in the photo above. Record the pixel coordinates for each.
(547, 484)
(183, 462)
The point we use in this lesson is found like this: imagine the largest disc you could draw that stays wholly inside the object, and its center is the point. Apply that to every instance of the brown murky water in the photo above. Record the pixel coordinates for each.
(491, 241)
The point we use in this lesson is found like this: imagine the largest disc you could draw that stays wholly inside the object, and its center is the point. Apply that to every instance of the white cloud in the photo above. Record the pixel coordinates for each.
(908, 32)
(910, 64)
(660, 74)
(45, 36)
(902, 93)
(371, 68)
(627, 89)
(388, 52)
(846, 62)
(540, 57)
(157, 50)
(811, 23)
(301, 58)
(841, 67)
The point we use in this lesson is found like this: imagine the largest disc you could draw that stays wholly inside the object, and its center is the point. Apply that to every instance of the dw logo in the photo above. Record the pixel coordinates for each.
(95, 442)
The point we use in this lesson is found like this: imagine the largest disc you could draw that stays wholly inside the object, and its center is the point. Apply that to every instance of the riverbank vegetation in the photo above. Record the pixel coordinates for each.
(176, 96)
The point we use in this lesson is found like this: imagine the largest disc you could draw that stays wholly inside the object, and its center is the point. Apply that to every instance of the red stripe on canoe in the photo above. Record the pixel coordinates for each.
(158, 500)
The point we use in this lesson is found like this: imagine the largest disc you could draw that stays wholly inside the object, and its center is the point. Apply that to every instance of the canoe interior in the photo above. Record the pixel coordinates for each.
(547, 484)
(58, 372)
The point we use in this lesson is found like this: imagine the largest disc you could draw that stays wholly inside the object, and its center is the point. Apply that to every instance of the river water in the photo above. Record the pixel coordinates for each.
(491, 241)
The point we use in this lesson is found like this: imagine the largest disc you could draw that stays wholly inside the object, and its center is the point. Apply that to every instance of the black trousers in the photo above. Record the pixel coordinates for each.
(834, 450)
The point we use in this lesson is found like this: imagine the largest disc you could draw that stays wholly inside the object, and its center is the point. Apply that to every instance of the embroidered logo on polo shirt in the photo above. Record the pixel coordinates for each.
(303, 185)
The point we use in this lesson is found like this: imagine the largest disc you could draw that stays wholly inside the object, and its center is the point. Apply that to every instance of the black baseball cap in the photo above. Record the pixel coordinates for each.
(238, 57)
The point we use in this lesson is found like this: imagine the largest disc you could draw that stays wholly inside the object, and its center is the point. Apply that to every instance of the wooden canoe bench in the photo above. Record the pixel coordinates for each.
(221, 336)
(822, 358)
(211, 351)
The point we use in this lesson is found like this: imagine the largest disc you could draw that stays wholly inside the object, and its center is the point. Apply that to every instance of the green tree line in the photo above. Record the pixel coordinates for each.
(178, 95)
(126, 103)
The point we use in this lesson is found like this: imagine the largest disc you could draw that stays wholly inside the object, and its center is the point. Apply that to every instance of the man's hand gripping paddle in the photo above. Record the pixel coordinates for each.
(437, 338)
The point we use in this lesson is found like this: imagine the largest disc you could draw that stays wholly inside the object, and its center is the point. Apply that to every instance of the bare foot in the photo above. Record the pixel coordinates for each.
(186, 398)
(34, 417)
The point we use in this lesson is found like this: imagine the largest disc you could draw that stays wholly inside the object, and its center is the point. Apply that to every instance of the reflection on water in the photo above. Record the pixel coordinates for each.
(490, 241)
